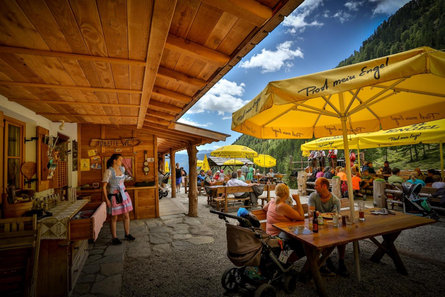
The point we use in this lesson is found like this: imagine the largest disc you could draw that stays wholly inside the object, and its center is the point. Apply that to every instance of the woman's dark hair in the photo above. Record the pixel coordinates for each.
(111, 160)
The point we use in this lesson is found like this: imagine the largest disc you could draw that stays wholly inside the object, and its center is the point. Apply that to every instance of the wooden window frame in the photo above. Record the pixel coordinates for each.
(11, 121)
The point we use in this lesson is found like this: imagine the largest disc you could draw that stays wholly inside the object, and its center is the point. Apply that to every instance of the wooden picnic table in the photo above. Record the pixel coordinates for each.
(328, 237)
(226, 190)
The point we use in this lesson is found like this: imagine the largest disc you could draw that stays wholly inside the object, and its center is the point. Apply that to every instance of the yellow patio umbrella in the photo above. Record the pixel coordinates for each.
(199, 163)
(383, 93)
(167, 168)
(234, 151)
(427, 132)
(265, 161)
(205, 164)
(233, 162)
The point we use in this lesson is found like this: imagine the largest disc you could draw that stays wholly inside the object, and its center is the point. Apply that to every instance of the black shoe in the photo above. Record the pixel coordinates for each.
(342, 270)
(116, 241)
(324, 270)
(129, 237)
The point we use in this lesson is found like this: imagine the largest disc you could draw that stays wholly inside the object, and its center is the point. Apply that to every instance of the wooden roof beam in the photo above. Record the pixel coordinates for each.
(157, 105)
(157, 121)
(171, 95)
(160, 25)
(80, 88)
(198, 131)
(37, 52)
(84, 115)
(249, 10)
(161, 115)
(59, 102)
(180, 77)
(196, 51)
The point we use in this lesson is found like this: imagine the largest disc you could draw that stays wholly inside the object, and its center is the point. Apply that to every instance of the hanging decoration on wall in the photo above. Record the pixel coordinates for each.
(96, 162)
(75, 152)
(84, 164)
(121, 142)
(145, 168)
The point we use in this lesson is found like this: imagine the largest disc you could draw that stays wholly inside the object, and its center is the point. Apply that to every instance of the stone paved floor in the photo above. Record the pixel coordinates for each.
(102, 273)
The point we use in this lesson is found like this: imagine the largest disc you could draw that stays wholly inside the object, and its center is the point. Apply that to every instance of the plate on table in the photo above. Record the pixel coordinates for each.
(328, 215)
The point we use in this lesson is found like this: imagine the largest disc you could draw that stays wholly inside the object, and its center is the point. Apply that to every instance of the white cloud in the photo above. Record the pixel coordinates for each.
(342, 16)
(226, 118)
(297, 22)
(326, 13)
(224, 96)
(388, 6)
(270, 61)
(193, 123)
(353, 5)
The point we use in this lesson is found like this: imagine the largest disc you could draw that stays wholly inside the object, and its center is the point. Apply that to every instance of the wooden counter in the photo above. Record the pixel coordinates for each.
(145, 200)
(63, 248)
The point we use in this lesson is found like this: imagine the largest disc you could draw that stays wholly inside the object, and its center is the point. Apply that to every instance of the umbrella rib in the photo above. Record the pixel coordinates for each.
(370, 110)
(412, 91)
(319, 115)
(369, 102)
(330, 104)
(321, 111)
(354, 96)
(273, 119)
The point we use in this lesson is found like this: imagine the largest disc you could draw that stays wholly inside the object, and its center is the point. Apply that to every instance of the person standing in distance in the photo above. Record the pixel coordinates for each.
(116, 197)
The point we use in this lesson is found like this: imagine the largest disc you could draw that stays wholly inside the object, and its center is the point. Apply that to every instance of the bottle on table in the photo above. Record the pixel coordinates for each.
(315, 223)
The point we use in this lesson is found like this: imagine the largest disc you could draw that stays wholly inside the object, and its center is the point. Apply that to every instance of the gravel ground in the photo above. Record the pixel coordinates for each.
(195, 270)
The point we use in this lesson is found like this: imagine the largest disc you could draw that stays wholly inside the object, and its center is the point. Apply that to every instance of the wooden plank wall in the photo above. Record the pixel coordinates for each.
(145, 201)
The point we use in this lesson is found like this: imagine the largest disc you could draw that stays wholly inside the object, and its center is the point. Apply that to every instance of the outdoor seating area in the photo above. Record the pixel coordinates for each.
(149, 148)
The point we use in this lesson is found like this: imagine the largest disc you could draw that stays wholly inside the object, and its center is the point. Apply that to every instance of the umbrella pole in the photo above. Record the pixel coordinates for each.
(349, 178)
(441, 159)
(358, 155)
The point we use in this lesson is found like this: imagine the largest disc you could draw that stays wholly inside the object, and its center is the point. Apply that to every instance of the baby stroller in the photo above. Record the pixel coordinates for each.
(414, 204)
(163, 179)
(258, 256)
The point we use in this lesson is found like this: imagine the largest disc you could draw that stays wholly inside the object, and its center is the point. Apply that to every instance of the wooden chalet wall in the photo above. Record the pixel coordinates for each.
(145, 199)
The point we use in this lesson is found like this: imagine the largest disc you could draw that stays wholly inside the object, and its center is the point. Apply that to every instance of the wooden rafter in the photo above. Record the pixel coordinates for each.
(83, 115)
(59, 102)
(80, 88)
(171, 95)
(249, 10)
(196, 51)
(157, 121)
(180, 77)
(160, 25)
(161, 115)
(37, 52)
(156, 105)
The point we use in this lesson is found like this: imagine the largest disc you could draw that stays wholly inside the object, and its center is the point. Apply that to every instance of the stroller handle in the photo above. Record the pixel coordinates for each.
(223, 216)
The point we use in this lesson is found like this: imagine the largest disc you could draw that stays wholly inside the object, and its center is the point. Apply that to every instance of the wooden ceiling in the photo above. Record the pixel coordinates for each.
(125, 62)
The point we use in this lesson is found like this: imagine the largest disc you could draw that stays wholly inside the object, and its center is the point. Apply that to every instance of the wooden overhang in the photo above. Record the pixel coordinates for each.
(127, 62)
(178, 136)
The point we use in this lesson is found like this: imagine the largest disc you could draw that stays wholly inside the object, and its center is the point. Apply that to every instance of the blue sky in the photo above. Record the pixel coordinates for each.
(315, 37)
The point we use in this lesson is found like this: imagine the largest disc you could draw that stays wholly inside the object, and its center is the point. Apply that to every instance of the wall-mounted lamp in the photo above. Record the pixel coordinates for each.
(62, 125)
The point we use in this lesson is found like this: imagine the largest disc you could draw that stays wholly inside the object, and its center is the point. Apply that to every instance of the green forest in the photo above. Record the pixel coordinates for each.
(418, 23)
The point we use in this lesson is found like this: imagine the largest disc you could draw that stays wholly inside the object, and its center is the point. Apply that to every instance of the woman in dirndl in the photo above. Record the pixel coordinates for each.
(117, 199)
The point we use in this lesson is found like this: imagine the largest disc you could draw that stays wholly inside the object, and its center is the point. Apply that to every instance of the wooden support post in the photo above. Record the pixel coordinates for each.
(336, 190)
(173, 172)
(193, 183)
(378, 192)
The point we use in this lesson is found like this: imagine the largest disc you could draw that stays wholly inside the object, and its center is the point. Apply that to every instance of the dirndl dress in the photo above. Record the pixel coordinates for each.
(116, 185)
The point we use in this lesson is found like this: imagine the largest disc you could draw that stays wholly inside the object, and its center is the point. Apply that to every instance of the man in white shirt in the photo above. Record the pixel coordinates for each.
(235, 182)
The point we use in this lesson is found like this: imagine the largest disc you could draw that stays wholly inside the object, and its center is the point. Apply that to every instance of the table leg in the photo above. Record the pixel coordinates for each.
(306, 268)
(313, 257)
(387, 247)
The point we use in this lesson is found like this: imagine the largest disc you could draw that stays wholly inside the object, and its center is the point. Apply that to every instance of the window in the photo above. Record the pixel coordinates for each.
(14, 152)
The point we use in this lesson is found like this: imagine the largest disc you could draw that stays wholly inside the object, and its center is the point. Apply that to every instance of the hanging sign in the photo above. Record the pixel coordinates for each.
(121, 142)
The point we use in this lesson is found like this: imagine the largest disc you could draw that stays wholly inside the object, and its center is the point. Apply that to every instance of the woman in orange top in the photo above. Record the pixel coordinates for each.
(279, 211)
(342, 174)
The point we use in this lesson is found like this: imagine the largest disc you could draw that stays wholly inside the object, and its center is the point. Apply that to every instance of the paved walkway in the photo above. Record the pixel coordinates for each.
(102, 273)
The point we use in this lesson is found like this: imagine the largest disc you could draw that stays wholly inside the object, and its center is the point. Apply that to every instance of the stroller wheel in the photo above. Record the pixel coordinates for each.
(290, 282)
(265, 290)
(230, 279)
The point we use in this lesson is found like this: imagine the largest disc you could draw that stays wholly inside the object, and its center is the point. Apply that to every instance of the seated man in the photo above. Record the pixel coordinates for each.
(201, 178)
(366, 183)
(235, 182)
(386, 170)
(395, 179)
(368, 166)
(324, 201)
(240, 175)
